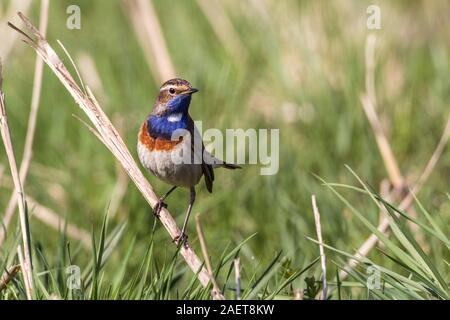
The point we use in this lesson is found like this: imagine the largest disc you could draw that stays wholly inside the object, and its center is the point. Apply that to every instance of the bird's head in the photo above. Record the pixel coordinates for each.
(174, 97)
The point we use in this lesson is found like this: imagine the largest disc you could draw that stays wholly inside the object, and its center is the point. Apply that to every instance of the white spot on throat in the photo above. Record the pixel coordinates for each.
(175, 117)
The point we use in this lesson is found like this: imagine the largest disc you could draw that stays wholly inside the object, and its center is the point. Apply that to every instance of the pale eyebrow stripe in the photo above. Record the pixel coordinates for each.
(167, 86)
(176, 87)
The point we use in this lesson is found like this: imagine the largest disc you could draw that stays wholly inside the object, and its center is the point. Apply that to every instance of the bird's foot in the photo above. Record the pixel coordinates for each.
(181, 239)
(158, 207)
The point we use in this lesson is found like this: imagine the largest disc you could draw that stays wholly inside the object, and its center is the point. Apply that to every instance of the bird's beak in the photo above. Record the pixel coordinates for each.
(190, 91)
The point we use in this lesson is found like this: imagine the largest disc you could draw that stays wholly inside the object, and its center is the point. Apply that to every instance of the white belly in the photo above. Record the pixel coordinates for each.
(161, 164)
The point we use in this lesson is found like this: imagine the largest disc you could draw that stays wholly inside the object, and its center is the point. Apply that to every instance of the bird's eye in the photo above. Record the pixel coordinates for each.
(171, 90)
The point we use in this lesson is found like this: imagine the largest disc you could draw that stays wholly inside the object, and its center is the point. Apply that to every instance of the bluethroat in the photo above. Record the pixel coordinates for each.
(168, 132)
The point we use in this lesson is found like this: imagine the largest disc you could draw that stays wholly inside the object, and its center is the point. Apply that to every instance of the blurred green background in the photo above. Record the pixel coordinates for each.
(293, 65)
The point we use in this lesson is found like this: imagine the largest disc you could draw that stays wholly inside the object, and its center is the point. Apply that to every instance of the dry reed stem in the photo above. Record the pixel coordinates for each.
(404, 205)
(407, 201)
(24, 267)
(237, 277)
(369, 104)
(121, 186)
(24, 226)
(8, 275)
(395, 176)
(431, 163)
(151, 38)
(321, 250)
(90, 74)
(109, 136)
(215, 293)
(31, 128)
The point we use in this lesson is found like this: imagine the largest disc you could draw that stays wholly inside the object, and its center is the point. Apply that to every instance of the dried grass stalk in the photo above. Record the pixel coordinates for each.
(8, 275)
(31, 128)
(24, 255)
(215, 293)
(321, 250)
(368, 101)
(109, 136)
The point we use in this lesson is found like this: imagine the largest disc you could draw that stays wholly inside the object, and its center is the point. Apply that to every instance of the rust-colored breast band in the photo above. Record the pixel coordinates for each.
(156, 144)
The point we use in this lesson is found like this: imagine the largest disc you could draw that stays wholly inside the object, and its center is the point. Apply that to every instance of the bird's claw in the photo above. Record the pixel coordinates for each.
(181, 239)
(158, 207)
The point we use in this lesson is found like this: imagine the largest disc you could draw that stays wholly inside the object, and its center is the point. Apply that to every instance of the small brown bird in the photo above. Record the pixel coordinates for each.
(169, 132)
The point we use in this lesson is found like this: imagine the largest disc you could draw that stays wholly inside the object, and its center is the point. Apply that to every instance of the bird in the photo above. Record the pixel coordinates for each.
(169, 132)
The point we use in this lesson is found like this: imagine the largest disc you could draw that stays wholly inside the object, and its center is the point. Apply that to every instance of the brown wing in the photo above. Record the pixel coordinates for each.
(208, 172)
(207, 169)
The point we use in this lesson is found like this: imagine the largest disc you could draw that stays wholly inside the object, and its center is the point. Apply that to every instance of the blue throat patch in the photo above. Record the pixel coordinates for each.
(159, 126)
(179, 104)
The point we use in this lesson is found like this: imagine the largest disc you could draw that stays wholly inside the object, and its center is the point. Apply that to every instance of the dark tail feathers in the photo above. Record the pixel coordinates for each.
(230, 166)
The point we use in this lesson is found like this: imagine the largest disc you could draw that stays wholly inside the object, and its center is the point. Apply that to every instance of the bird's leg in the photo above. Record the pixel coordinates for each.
(183, 236)
(161, 204)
